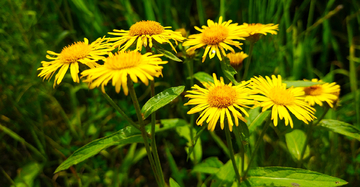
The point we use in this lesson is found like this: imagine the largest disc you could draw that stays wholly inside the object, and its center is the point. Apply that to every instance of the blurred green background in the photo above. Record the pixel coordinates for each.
(42, 126)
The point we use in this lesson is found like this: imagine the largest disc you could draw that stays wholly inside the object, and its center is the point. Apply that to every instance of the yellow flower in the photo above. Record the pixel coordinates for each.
(236, 59)
(144, 32)
(216, 37)
(122, 64)
(273, 93)
(320, 93)
(255, 30)
(218, 100)
(71, 56)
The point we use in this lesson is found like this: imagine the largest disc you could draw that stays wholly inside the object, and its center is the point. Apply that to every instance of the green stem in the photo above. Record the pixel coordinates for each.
(232, 157)
(222, 8)
(238, 76)
(257, 146)
(352, 69)
(239, 139)
(153, 142)
(117, 108)
(308, 135)
(190, 68)
(144, 134)
(242, 155)
(248, 60)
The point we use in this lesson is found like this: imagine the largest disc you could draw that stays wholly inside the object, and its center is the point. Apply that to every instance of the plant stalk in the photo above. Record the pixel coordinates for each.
(118, 109)
(153, 141)
(248, 60)
(144, 134)
(232, 156)
(308, 135)
(257, 146)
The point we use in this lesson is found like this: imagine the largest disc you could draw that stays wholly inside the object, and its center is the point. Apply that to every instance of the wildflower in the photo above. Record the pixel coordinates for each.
(216, 37)
(71, 56)
(218, 100)
(255, 30)
(118, 66)
(143, 33)
(236, 59)
(320, 93)
(273, 93)
(182, 31)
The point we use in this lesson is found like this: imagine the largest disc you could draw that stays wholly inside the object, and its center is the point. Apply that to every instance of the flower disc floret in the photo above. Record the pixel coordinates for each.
(281, 97)
(75, 52)
(221, 96)
(146, 28)
(215, 35)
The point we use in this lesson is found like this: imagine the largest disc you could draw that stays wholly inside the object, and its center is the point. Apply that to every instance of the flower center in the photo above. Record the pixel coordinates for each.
(74, 52)
(146, 28)
(123, 60)
(281, 97)
(221, 96)
(313, 90)
(215, 34)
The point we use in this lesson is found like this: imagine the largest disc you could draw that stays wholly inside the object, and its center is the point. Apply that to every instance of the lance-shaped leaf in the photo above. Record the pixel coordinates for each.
(292, 177)
(169, 55)
(124, 136)
(226, 174)
(161, 99)
(295, 141)
(28, 174)
(256, 118)
(203, 77)
(210, 165)
(341, 128)
(301, 83)
(228, 71)
(173, 183)
(184, 131)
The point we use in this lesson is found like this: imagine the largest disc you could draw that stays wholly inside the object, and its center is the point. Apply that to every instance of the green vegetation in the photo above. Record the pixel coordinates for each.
(41, 126)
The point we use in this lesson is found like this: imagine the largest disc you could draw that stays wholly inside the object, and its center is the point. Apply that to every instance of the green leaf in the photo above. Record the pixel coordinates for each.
(226, 174)
(203, 77)
(228, 70)
(28, 174)
(301, 83)
(171, 123)
(341, 128)
(292, 177)
(175, 172)
(210, 165)
(184, 131)
(168, 54)
(21, 140)
(124, 136)
(256, 118)
(81, 5)
(196, 138)
(295, 141)
(161, 99)
(173, 183)
(244, 130)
